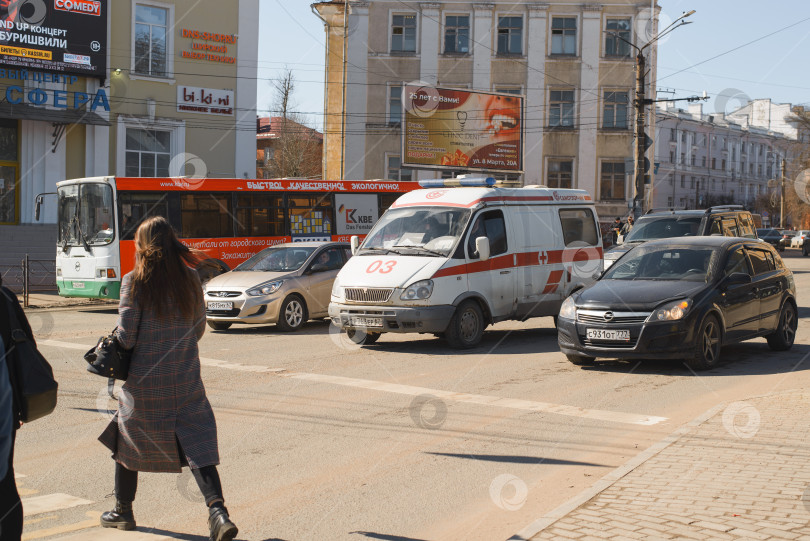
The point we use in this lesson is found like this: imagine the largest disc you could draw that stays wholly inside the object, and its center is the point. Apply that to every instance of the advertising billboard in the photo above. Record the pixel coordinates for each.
(65, 36)
(356, 213)
(447, 128)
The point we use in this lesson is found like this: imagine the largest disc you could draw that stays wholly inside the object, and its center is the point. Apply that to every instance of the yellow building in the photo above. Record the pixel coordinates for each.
(568, 58)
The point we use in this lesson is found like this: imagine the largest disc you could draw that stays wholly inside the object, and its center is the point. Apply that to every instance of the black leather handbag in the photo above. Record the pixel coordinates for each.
(31, 375)
(108, 358)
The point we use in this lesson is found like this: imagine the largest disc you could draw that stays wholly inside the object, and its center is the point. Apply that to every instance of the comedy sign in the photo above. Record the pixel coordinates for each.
(457, 129)
(66, 36)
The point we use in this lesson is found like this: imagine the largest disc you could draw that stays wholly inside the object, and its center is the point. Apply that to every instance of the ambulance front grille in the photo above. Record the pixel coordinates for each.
(368, 294)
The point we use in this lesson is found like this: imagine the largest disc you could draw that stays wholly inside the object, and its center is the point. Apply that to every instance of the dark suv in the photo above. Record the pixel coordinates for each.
(727, 220)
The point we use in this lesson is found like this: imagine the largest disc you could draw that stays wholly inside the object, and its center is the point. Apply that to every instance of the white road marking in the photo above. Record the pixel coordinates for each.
(58, 344)
(512, 403)
(67, 528)
(18, 475)
(51, 502)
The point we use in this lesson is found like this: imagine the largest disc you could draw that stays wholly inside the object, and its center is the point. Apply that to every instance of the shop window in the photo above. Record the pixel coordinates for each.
(9, 165)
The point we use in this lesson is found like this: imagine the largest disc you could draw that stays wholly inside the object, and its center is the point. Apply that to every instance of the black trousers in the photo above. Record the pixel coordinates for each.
(207, 477)
(11, 511)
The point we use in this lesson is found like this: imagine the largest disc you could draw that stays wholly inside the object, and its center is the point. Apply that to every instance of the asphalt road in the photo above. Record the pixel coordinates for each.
(403, 440)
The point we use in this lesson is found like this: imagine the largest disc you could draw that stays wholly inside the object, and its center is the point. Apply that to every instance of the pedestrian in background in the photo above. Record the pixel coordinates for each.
(164, 420)
(11, 511)
(615, 230)
(628, 226)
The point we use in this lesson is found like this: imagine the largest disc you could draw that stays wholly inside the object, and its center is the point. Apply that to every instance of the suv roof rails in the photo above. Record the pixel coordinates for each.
(664, 209)
(725, 207)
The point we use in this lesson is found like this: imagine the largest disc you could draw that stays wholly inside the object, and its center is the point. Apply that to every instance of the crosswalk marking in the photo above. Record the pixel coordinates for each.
(67, 528)
(51, 502)
(511, 403)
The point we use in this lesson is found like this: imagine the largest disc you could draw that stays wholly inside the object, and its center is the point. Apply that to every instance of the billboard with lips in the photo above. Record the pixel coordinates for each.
(64, 36)
(453, 129)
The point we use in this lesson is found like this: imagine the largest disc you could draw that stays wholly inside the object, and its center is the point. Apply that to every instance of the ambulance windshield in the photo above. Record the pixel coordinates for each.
(431, 231)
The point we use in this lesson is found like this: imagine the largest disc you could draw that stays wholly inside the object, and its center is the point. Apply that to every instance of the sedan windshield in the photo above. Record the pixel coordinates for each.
(277, 259)
(664, 228)
(431, 231)
(668, 262)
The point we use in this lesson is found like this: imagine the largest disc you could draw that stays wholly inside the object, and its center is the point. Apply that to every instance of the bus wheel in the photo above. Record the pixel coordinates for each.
(293, 314)
(466, 326)
(219, 325)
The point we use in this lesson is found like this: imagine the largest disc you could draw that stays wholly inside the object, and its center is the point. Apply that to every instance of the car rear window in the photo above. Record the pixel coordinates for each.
(649, 228)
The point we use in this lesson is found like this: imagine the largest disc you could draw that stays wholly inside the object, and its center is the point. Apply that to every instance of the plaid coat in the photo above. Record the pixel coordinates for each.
(163, 400)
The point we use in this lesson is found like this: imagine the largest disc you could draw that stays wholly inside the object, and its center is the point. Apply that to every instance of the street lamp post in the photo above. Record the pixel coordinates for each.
(640, 102)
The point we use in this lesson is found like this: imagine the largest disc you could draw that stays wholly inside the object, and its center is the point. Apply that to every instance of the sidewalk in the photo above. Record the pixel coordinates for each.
(740, 471)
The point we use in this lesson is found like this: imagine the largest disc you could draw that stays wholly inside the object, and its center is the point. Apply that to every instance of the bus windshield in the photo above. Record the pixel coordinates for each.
(85, 215)
(417, 230)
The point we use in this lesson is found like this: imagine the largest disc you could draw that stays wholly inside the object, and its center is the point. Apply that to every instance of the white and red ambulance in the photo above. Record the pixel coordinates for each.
(459, 255)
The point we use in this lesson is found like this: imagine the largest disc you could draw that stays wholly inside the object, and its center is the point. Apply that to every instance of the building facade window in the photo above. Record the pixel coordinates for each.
(564, 35)
(560, 173)
(9, 168)
(611, 185)
(618, 34)
(671, 156)
(508, 89)
(694, 159)
(714, 163)
(394, 104)
(683, 181)
(692, 184)
(395, 171)
(723, 165)
(510, 35)
(561, 108)
(615, 112)
(151, 37)
(148, 153)
(703, 161)
(457, 34)
(403, 33)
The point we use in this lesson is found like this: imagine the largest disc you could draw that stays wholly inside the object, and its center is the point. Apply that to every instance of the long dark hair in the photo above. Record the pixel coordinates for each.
(162, 269)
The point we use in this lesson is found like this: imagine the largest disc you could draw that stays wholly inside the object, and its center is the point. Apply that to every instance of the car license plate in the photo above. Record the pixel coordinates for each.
(220, 305)
(366, 321)
(608, 334)
(78, 285)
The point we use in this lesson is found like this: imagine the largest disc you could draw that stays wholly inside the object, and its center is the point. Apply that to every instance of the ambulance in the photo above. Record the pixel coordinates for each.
(459, 255)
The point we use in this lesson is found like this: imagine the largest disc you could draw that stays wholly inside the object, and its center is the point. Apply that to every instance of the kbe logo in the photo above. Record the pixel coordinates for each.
(352, 218)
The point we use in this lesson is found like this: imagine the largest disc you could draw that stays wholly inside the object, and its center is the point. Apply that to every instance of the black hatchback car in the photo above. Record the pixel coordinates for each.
(682, 298)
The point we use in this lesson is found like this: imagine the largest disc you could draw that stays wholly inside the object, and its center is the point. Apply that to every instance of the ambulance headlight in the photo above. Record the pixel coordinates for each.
(568, 310)
(417, 291)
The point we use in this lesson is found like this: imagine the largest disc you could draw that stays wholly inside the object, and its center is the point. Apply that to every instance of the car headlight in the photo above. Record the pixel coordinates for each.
(267, 288)
(568, 310)
(671, 311)
(419, 290)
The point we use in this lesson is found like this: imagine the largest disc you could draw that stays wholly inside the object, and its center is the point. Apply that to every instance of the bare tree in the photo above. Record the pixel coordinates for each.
(296, 147)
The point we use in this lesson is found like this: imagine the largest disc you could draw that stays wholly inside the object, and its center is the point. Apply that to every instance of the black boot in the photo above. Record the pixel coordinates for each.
(121, 517)
(220, 525)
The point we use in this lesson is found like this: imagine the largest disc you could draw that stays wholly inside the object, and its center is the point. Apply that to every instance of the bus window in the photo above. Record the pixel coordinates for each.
(259, 215)
(134, 207)
(205, 215)
(310, 214)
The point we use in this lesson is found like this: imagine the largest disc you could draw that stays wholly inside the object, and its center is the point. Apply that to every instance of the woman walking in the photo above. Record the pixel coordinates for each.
(164, 420)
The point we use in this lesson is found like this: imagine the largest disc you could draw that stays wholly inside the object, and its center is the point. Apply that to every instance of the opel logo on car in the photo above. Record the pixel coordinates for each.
(78, 266)
(608, 316)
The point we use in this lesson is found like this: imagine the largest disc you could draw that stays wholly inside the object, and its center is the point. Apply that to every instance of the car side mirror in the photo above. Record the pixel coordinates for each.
(482, 247)
(355, 242)
(738, 278)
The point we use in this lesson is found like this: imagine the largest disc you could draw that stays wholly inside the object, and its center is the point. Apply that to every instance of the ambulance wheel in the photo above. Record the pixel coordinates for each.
(359, 336)
(466, 326)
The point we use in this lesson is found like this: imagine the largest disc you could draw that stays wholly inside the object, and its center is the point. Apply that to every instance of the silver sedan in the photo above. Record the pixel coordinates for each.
(285, 285)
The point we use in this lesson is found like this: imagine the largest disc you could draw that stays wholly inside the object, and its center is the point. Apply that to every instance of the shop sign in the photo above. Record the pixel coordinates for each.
(208, 46)
(207, 101)
(66, 36)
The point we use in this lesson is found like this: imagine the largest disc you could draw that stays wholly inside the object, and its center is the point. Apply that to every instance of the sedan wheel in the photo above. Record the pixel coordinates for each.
(293, 314)
(707, 349)
(782, 339)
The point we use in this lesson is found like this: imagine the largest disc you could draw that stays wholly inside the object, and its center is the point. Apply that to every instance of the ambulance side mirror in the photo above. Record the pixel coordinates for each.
(355, 243)
(482, 247)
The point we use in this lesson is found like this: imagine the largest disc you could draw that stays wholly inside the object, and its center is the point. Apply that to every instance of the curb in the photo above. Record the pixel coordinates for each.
(608, 480)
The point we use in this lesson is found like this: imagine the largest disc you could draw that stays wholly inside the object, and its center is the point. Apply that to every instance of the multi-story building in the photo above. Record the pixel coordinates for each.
(570, 59)
(285, 148)
(705, 159)
(135, 88)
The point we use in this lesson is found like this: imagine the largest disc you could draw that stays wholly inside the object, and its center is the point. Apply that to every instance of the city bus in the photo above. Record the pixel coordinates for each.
(228, 219)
